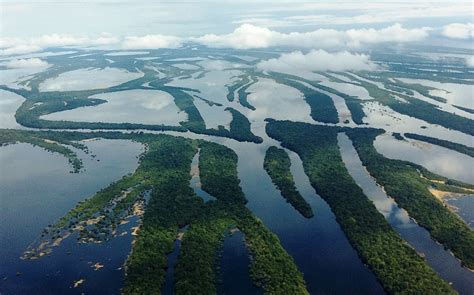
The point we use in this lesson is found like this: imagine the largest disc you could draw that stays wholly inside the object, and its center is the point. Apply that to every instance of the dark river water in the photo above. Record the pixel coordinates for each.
(38, 183)
(442, 261)
(36, 189)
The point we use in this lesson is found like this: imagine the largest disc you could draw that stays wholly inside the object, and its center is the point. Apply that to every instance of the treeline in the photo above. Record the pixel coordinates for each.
(277, 164)
(231, 88)
(218, 173)
(42, 103)
(417, 108)
(322, 106)
(353, 104)
(164, 173)
(444, 143)
(240, 127)
(243, 94)
(403, 182)
(271, 267)
(54, 144)
(398, 267)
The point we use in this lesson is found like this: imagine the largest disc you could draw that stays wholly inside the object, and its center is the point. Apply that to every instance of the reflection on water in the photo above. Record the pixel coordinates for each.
(195, 182)
(212, 85)
(318, 245)
(9, 103)
(234, 267)
(129, 106)
(277, 101)
(441, 260)
(349, 89)
(13, 78)
(456, 94)
(379, 116)
(184, 66)
(90, 78)
(437, 159)
(213, 115)
(464, 207)
(36, 190)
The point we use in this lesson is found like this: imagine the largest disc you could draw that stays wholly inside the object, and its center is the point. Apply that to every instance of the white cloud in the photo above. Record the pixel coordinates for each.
(246, 36)
(26, 63)
(318, 60)
(151, 42)
(20, 49)
(11, 46)
(459, 31)
(249, 36)
(470, 62)
(395, 33)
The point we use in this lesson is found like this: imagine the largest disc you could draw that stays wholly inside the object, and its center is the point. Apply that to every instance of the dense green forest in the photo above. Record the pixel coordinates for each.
(408, 184)
(277, 164)
(164, 174)
(398, 267)
(271, 267)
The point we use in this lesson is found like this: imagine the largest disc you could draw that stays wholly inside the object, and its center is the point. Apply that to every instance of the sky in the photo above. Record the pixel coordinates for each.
(27, 26)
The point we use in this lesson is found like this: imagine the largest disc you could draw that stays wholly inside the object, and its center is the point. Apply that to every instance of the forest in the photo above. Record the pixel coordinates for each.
(408, 184)
(396, 265)
(164, 174)
(277, 164)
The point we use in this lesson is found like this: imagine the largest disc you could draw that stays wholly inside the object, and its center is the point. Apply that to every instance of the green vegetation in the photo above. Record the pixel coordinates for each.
(468, 110)
(322, 106)
(243, 80)
(242, 93)
(163, 174)
(396, 265)
(417, 108)
(444, 143)
(197, 261)
(403, 182)
(54, 144)
(277, 164)
(353, 104)
(397, 136)
(240, 127)
(271, 267)
(218, 172)
(172, 205)
(422, 89)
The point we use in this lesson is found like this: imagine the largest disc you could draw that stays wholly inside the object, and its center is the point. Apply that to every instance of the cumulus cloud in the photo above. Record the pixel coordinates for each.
(26, 63)
(20, 49)
(470, 62)
(249, 36)
(246, 36)
(12, 46)
(151, 42)
(318, 60)
(395, 33)
(459, 31)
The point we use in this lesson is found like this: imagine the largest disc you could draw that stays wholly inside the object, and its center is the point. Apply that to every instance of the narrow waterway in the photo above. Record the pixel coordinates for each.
(234, 267)
(442, 261)
(195, 182)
